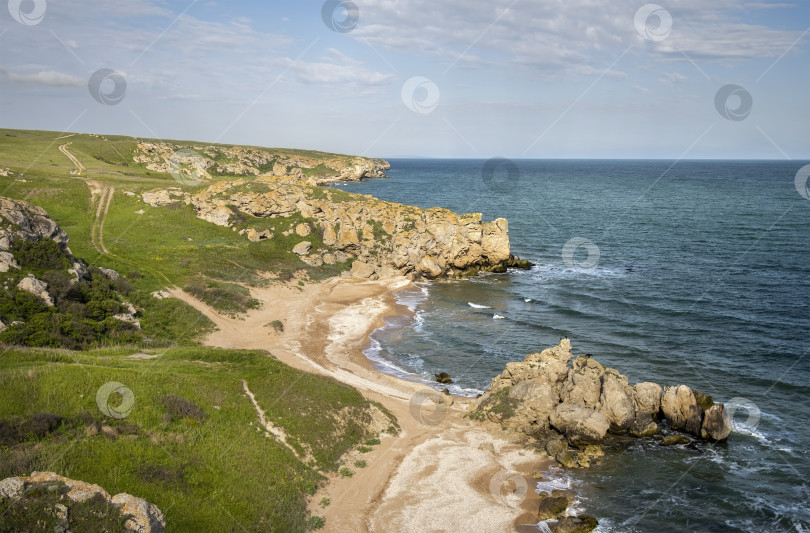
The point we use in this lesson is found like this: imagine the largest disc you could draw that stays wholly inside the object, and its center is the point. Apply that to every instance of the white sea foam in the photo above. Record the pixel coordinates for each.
(527, 300)
(496, 316)
(478, 306)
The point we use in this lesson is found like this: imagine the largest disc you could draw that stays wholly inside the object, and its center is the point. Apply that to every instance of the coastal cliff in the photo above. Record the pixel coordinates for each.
(207, 162)
(544, 401)
(381, 239)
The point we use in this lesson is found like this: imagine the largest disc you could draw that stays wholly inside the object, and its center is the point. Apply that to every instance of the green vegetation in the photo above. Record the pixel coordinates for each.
(325, 502)
(372, 442)
(36, 511)
(190, 444)
(360, 464)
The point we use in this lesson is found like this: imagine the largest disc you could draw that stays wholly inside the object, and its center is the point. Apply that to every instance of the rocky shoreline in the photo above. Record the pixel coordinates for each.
(567, 406)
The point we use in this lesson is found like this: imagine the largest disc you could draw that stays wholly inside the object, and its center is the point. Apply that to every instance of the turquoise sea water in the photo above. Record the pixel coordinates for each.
(701, 279)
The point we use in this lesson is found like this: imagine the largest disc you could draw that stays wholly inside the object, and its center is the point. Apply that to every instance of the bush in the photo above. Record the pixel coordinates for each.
(180, 408)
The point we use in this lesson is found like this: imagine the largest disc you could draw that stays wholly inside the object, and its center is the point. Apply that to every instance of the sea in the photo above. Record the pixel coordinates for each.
(677, 272)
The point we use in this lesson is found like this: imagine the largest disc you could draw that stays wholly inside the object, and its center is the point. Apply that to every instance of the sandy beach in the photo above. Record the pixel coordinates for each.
(442, 472)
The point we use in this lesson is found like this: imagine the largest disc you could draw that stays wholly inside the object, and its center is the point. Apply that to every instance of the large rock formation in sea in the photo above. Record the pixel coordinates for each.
(555, 398)
(383, 239)
(144, 517)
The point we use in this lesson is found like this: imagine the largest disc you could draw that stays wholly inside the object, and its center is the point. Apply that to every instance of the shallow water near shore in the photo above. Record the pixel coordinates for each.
(701, 279)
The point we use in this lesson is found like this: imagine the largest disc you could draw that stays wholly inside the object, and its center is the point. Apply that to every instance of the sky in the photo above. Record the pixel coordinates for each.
(419, 78)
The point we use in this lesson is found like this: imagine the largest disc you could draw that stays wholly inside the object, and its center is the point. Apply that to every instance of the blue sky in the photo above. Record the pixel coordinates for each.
(434, 78)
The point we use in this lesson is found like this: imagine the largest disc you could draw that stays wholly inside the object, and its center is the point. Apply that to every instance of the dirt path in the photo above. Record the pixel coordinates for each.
(435, 475)
(78, 164)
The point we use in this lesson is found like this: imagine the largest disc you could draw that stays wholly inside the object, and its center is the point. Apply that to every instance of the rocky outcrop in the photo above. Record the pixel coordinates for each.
(21, 220)
(384, 239)
(203, 162)
(544, 400)
(144, 516)
(36, 287)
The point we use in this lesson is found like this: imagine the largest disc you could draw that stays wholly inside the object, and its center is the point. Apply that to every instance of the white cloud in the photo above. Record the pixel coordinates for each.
(50, 78)
(573, 37)
(672, 78)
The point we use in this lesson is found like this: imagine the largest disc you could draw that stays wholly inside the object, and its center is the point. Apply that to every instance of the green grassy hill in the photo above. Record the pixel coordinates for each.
(192, 443)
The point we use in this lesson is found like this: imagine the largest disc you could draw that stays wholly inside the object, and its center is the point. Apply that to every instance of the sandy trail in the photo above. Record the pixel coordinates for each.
(436, 474)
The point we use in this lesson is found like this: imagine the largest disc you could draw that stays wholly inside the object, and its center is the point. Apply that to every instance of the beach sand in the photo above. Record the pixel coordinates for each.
(442, 472)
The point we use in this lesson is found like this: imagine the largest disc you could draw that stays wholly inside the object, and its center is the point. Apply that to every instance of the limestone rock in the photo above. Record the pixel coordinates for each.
(302, 248)
(302, 230)
(716, 423)
(616, 401)
(584, 384)
(158, 198)
(362, 270)
(575, 524)
(110, 273)
(146, 517)
(680, 407)
(554, 504)
(8, 262)
(37, 288)
(647, 397)
(11, 488)
(580, 424)
(672, 440)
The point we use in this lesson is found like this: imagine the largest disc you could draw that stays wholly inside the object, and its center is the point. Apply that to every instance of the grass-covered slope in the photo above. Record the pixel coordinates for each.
(191, 443)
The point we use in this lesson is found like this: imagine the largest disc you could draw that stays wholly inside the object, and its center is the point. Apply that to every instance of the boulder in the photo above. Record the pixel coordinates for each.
(680, 407)
(643, 425)
(716, 423)
(37, 288)
(158, 198)
(303, 230)
(647, 397)
(581, 425)
(362, 270)
(302, 248)
(554, 504)
(110, 273)
(575, 524)
(145, 517)
(443, 377)
(8, 262)
(584, 383)
(616, 401)
(672, 440)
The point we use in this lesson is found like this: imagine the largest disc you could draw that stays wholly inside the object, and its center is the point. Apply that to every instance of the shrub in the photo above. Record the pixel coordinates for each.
(180, 408)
